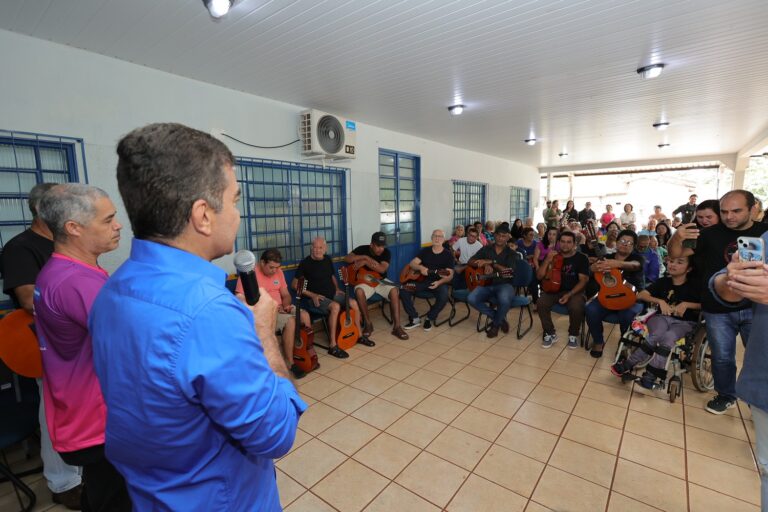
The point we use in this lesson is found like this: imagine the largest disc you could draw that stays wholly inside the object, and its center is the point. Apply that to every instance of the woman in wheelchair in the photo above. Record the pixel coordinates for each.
(677, 301)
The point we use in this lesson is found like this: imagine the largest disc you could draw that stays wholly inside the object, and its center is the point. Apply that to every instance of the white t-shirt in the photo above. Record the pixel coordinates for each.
(627, 218)
(466, 250)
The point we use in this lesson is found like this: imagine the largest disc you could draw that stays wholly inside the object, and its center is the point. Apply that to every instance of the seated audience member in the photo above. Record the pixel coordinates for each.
(527, 247)
(757, 211)
(607, 217)
(516, 231)
(650, 229)
(630, 264)
(376, 257)
(84, 224)
(541, 230)
(657, 215)
(466, 247)
(495, 258)
(651, 263)
(528, 223)
(627, 217)
(270, 277)
(687, 210)
(323, 293)
(663, 233)
(458, 232)
(586, 214)
(428, 262)
(198, 398)
(610, 242)
(488, 231)
(574, 276)
(707, 213)
(480, 235)
(570, 213)
(547, 244)
(661, 253)
(612, 227)
(677, 300)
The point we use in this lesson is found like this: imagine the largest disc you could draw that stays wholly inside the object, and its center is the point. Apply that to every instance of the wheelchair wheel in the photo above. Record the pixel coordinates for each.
(675, 388)
(701, 362)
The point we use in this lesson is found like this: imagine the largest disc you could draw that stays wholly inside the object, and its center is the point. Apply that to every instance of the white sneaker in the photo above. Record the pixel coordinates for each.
(549, 340)
(573, 342)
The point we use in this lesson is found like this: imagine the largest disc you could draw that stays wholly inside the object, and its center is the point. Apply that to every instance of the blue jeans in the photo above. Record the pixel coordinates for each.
(502, 295)
(721, 334)
(595, 313)
(440, 294)
(760, 419)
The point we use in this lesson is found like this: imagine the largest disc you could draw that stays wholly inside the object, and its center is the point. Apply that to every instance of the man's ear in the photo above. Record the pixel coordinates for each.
(72, 228)
(200, 217)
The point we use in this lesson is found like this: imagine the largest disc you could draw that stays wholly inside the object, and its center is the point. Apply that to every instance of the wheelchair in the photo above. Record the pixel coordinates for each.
(691, 354)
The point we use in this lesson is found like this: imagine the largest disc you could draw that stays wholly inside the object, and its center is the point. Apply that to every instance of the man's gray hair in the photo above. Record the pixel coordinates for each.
(68, 202)
(36, 194)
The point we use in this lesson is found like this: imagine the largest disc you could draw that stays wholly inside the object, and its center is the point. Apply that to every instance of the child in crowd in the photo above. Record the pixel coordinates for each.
(677, 300)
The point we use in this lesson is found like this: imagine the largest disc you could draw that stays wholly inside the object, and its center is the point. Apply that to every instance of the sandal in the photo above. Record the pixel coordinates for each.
(367, 331)
(337, 352)
(365, 341)
(400, 333)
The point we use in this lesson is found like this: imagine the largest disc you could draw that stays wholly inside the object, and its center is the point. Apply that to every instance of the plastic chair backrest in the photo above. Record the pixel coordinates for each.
(523, 273)
(19, 349)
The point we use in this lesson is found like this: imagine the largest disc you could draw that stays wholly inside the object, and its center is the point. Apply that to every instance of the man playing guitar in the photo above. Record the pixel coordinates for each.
(270, 276)
(375, 258)
(323, 293)
(427, 262)
(574, 277)
(495, 258)
(630, 264)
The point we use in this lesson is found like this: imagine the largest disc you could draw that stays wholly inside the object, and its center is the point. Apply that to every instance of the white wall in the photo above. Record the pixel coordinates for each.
(56, 89)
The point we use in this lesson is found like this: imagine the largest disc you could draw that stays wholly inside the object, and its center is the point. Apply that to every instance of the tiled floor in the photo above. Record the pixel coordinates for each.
(450, 420)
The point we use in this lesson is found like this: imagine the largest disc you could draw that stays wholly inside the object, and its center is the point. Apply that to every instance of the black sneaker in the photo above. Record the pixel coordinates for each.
(648, 380)
(412, 322)
(297, 372)
(337, 352)
(619, 369)
(720, 404)
(427, 325)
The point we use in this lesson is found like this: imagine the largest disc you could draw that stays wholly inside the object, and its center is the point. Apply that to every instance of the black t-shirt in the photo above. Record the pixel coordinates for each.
(584, 215)
(635, 278)
(22, 258)
(688, 210)
(506, 258)
(318, 274)
(714, 248)
(365, 250)
(673, 295)
(572, 267)
(571, 214)
(435, 261)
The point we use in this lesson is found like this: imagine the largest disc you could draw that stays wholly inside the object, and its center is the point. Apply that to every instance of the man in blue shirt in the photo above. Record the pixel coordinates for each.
(198, 402)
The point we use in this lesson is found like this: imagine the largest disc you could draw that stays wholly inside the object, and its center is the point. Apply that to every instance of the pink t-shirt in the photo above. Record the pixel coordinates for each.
(271, 284)
(606, 218)
(74, 406)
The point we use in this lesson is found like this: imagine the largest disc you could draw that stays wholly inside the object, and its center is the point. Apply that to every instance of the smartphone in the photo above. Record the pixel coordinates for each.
(690, 244)
(751, 248)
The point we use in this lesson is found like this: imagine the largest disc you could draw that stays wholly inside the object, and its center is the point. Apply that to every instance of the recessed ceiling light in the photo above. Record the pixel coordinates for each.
(663, 146)
(562, 155)
(217, 8)
(651, 71)
(530, 142)
(456, 110)
(661, 126)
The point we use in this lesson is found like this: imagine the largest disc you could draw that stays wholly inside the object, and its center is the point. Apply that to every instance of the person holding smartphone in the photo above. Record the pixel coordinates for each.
(715, 246)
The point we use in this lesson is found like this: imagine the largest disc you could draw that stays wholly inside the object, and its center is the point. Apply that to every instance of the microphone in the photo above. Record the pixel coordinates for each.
(245, 262)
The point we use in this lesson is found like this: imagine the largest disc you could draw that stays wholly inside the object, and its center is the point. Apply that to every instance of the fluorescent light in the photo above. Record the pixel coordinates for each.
(217, 8)
(661, 125)
(456, 110)
(651, 71)
(663, 146)
(530, 142)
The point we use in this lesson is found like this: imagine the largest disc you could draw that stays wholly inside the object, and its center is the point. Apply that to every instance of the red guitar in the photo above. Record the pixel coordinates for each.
(553, 279)
(475, 277)
(347, 332)
(19, 348)
(304, 355)
(364, 275)
(615, 293)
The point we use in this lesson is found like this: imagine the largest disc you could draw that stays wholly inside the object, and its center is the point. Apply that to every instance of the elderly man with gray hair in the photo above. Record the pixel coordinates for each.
(84, 225)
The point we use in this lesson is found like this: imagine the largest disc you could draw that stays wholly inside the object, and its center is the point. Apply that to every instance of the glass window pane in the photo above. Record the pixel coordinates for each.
(53, 159)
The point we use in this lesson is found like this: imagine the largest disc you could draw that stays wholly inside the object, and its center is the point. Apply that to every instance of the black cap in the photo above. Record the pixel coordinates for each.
(379, 238)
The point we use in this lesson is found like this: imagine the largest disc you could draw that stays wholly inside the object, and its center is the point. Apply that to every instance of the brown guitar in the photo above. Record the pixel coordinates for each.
(364, 275)
(19, 348)
(304, 355)
(409, 274)
(347, 332)
(615, 294)
(475, 277)
(553, 279)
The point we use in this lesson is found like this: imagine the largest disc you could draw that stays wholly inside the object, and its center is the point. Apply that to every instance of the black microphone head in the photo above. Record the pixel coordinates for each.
(245, 261)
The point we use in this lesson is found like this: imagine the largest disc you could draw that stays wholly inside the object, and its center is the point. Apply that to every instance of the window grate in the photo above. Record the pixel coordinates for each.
(468, 202)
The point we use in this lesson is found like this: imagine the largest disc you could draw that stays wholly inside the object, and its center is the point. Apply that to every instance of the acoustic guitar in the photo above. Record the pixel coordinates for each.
(304, 355)
(615, 293)
(347, 332)
(475, 277)
(19, 348)
(410, 275)
(553, 279)
(367, 276)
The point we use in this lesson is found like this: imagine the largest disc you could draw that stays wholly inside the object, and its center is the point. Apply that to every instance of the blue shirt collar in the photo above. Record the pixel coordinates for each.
(156, 254)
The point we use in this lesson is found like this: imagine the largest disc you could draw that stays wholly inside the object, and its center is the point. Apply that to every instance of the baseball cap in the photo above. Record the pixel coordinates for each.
(379, 238)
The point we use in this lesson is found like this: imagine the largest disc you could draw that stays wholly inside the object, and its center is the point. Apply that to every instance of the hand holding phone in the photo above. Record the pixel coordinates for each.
(751, 249)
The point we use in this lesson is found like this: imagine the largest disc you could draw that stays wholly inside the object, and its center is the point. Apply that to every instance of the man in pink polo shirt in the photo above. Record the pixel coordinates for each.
(84, 226)
(270, 276)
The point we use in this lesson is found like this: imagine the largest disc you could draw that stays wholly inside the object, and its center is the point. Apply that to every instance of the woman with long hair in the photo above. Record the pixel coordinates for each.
(570, 213)
(548, 243)
(663, 233)
(517, 229)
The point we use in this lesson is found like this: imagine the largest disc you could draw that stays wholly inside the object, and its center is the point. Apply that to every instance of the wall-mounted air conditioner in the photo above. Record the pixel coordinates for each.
(327, 136)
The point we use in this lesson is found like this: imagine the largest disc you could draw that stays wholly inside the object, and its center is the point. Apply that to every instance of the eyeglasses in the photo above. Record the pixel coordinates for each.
(626, 242)
(438, 236)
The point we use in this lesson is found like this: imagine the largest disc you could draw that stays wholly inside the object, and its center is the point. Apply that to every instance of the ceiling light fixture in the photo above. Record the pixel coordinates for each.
(562, 155)
(663, 146)
(661, 126)
(456, 110)
(651, 71)
(217, 8)
(530, 142)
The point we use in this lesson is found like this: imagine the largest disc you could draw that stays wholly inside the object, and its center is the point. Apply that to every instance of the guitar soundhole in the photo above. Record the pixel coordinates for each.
(609, 280)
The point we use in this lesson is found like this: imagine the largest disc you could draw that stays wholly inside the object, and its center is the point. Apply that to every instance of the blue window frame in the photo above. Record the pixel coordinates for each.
(284, 205)
(519, 203)
(468, 202)
(27, 159)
